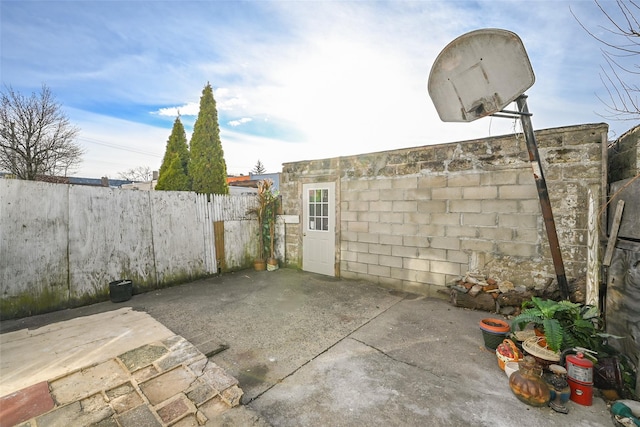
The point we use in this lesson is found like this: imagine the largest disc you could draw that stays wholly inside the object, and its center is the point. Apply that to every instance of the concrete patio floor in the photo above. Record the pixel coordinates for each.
(314, 350)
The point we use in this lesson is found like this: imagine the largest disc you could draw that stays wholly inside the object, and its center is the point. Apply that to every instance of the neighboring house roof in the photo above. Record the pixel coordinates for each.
(73, 180)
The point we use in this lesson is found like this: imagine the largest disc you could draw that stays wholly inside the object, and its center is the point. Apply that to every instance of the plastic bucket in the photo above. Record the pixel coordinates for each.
(120, 290)
(493, 332)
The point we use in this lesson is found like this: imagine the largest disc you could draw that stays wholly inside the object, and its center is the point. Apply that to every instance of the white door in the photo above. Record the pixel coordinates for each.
(319, 228)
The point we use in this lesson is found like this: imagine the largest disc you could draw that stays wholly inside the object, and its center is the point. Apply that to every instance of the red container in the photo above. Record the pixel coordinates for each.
(580, 379)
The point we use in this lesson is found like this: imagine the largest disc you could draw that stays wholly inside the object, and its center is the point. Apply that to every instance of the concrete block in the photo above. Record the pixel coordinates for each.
(379, 270)
(477, 245)
(390, 261)
(403, 274)
(404, 251)
(418, 194)
(431, 277)
(519, 221)
(517, 192)
(346, 216)
(518, 249)
(369, 216)
(346, 255)
(368, 237)
(432, 230)
(528, 235)
(493, 233)
(405, 183)
(380, 206)
(392, 194)
(358, 247)
(417, 240)
(390, 239)
(459, 231)
(368, 195)
(356, 267)
(404, 229)
(366, 258)
(459, 257)
(501, 206)
(358, 226)
(405, 206)
(438, 242)
(480, 220)
(392, 218)
(444, 267)
(485, 192)
(447, 193)
(432, 181)
(380, 183)
(465, 206)
(446, 219)
(530, 207)
(432, 206)
(525, 177)
(416, 264)
(379, 249)
(346, 236)
(380, 228)
(432, 254)
(463, 180)
(357, 206)
(508, 177)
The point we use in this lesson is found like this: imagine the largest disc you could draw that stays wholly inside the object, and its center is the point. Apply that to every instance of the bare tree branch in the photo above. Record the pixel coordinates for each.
(621, 40)
(36, 137)
(137, 174)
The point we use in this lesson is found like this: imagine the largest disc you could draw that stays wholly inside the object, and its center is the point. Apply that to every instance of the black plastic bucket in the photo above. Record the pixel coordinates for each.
(120, 290)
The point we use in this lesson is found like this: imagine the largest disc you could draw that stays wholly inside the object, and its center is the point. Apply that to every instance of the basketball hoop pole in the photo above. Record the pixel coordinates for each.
(543, 194)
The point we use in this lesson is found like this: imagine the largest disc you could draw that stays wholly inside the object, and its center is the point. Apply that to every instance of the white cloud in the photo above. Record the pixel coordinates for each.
(243, 120)
(188, 109)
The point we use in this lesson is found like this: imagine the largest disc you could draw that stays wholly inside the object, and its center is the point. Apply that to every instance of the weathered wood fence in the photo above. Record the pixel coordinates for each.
(61, 245)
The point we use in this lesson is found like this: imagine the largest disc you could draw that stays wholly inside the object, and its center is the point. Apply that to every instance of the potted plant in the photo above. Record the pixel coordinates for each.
(259, 262)
(545, 316)
(271, 213)
(265, 213)
(564, 323)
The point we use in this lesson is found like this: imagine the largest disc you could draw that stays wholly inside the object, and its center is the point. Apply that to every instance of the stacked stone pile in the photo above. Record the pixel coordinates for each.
(479, 292)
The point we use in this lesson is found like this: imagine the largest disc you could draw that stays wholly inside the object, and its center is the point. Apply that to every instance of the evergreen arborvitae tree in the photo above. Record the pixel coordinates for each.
(174, 172)
(259, 168)
(207, 168)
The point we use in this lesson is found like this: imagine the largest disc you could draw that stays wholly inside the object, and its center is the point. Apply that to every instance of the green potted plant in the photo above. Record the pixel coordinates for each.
(271, 213)
(265, 214)
(565, 324)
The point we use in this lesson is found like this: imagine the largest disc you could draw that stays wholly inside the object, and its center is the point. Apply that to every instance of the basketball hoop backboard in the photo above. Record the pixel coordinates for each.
(479, 74)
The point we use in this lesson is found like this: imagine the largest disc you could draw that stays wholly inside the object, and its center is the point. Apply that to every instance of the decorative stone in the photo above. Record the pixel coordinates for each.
(506, 286)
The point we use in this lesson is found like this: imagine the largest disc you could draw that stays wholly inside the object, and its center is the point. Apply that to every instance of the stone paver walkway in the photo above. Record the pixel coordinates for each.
(165, 383)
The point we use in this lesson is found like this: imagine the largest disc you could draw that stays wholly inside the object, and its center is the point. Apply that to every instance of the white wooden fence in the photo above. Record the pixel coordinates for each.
(62, 244)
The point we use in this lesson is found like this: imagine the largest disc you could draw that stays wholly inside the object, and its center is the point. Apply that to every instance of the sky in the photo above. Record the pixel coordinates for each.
(292, 80)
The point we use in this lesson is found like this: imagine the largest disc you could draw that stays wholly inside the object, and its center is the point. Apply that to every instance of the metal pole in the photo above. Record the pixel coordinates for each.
(545, 204)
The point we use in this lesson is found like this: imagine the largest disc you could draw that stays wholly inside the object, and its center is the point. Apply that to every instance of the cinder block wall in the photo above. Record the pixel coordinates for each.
(624, 156)
(418, 218)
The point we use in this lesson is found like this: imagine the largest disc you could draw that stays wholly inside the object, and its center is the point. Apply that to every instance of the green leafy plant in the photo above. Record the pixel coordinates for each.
(545, 315)
(265, 212)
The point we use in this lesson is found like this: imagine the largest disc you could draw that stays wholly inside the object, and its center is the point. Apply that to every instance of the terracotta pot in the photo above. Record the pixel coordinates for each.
(493, 332)
(259, 265)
